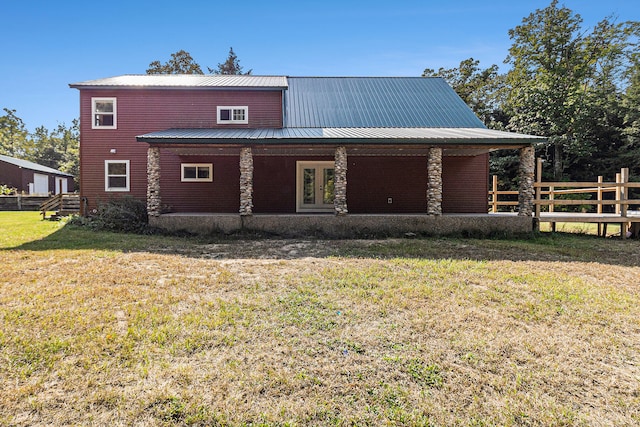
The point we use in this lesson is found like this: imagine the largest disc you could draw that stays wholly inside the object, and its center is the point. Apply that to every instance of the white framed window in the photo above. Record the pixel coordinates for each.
(197, 172)
(116, 175)
(229, 115)
(104, 113)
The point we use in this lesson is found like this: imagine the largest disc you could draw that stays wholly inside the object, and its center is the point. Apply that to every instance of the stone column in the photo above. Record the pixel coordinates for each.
(340, 182)
(526, 176)
(246, 181)
(153, 181)
(434, 181)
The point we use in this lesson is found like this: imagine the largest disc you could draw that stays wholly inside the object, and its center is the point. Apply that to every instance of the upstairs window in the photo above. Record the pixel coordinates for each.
(194, 172)
(103, 111)
(230, 115)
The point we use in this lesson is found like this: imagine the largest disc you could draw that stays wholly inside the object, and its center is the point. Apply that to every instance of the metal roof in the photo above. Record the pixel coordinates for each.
(375, 102)
(25, 164)
(436, 136)
(185, 81)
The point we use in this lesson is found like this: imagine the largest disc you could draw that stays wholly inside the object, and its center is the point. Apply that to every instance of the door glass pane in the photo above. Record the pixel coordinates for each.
(309, 186)
(328, 186)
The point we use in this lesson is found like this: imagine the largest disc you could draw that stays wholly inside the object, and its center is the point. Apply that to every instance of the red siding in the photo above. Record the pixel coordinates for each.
(465, 184)
(372, 180)
(142, 111)
(11, 176)
(274, 183)
(222, 195)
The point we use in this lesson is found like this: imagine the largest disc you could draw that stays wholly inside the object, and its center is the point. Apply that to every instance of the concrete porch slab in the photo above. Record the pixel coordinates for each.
(352, 225)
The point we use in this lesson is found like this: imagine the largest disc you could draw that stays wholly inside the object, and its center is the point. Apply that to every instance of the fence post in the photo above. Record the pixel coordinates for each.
(624, 174)
(538, 181)
(617, 192)
(494, 198)
(599, 206)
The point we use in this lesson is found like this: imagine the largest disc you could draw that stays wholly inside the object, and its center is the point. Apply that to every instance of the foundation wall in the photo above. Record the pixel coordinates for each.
(349, 226)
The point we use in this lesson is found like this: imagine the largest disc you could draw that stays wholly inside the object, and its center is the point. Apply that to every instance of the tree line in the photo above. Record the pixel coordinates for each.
(579, 88)
(57, 148)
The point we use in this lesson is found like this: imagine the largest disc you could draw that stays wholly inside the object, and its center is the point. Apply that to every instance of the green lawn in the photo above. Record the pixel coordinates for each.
(116, 329)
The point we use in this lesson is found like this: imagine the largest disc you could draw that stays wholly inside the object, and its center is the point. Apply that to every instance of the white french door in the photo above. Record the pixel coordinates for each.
(315, 186)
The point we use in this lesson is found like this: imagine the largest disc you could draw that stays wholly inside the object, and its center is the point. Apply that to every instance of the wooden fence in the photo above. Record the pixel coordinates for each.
(598, 202)
(550, 194)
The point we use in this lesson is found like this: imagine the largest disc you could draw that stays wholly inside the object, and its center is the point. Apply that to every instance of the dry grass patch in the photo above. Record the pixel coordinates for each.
(278, 332)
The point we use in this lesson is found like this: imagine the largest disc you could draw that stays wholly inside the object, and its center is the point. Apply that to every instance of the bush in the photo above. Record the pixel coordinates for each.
(5, 190)
(126, 214)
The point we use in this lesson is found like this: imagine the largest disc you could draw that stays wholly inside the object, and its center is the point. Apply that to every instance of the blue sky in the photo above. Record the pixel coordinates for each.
(49, 44)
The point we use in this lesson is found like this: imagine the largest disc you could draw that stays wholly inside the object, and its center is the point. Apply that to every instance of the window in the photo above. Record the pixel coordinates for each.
(103, 111)
(233, 115)
(116, 175)
(193, 172)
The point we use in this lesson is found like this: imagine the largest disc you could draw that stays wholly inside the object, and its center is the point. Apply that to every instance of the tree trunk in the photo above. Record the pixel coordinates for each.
(557, 161)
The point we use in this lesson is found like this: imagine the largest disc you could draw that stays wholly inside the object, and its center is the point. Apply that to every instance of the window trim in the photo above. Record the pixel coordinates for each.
(106, 176)
(196, 165)
(94, 113)
(231, 120)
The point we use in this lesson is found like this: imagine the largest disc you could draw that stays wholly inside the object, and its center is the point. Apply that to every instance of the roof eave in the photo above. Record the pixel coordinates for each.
(485, 142)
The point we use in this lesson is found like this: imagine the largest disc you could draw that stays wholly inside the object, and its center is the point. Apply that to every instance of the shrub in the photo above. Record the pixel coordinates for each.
(124, 214)
(5, 190)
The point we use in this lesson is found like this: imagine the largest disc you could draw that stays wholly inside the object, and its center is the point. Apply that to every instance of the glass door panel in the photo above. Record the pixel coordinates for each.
(328, 175)
(315, 186)
(309, 186)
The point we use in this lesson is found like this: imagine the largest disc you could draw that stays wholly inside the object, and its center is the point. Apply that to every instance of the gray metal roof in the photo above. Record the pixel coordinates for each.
(375, 102)
(30, 165)
(436, 136)
(185, 81)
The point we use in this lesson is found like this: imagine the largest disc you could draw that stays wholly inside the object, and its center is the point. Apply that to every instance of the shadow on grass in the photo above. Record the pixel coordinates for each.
(560, 247)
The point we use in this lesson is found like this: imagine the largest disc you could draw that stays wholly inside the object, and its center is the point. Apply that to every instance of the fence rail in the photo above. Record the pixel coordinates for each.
(548, 195)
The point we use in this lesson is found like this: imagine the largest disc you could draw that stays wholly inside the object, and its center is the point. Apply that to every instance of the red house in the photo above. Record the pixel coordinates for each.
(32, 178)
(275, 153)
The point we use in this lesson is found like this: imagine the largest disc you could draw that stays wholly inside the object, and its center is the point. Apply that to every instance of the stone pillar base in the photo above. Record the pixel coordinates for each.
(340, 183)
(154, 202)
(246, 181)
(434, 181)
(526, 176)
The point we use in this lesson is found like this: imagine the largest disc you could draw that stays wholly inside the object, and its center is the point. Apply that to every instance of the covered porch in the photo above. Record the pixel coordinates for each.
(333, 214)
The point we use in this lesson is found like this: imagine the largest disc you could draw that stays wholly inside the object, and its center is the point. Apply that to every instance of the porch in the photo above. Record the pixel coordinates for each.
(344, 226)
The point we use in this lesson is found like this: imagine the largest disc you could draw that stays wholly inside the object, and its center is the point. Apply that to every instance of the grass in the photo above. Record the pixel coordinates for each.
(115, 329)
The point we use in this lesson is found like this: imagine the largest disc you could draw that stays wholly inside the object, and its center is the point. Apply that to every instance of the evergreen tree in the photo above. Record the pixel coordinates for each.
(230, 66)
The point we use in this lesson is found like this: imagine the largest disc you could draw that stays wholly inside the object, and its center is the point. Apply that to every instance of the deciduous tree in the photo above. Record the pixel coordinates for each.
(13, 134)
(566, 84)
(481, 89)
(181, 62)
